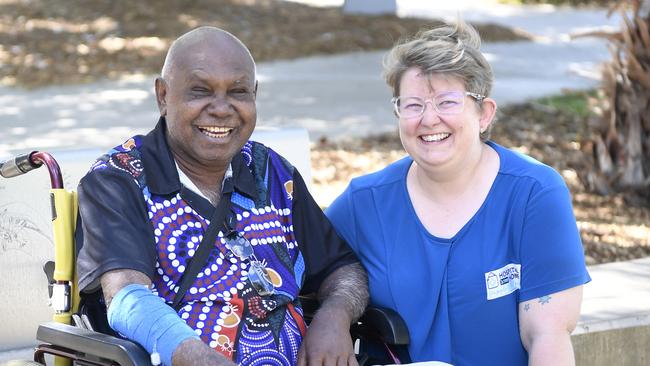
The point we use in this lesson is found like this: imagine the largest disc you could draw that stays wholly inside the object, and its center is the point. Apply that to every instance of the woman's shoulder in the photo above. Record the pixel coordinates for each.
(393, 173)
(519, 165)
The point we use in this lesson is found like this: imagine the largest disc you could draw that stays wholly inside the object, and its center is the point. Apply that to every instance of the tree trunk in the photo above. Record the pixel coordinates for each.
(621, 139)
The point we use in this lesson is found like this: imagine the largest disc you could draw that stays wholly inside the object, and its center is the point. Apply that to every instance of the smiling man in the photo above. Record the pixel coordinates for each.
(222, 229)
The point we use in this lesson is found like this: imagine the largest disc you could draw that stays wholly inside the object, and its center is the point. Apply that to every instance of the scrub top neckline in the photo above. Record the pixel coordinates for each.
(469, 222)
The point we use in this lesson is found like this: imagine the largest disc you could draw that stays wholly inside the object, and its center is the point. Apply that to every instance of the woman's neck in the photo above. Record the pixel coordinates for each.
(445, 184)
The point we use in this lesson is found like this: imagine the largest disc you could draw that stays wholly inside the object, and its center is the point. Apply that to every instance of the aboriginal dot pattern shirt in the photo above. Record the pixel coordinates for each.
(137, 215)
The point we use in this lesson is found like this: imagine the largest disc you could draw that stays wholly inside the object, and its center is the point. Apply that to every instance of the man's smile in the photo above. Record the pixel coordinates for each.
(215, 132)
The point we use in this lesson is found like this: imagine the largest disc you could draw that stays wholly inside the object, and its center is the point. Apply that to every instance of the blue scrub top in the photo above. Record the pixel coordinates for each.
(459, 296)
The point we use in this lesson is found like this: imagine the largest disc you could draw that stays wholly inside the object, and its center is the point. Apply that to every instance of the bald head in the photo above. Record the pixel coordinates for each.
(207, 96)
(193, 44)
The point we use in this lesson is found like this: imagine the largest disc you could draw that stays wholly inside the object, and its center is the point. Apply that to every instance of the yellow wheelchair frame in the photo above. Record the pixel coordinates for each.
(68, 344)
(78, 345)
(65, 298)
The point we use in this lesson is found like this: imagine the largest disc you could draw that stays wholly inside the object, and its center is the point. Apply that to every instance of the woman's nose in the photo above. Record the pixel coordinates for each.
(430, 115)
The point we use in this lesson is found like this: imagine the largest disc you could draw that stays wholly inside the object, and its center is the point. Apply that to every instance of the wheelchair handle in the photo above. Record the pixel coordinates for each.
(25, 163)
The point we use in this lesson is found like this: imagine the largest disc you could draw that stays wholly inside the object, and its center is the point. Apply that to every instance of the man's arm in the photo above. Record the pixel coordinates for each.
(191, 351)
(113, 281)
(343, 296)
(345, 290)
(334, 273)
(545, 326)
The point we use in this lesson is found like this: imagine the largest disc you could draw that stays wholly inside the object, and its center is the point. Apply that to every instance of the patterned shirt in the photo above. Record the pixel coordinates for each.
(137, 215)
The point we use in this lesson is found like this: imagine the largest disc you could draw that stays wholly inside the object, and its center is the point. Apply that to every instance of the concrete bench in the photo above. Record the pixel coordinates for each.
(614, 327)
(26, 233)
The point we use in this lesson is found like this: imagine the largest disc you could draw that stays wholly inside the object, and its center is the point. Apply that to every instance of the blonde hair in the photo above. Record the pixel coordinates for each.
(451, 49)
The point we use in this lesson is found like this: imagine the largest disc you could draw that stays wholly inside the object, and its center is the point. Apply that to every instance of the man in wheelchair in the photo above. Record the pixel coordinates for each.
(220, 228)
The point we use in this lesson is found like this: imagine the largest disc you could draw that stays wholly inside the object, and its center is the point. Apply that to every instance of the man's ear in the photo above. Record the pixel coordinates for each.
(255, 91)
(161, 95)
(488, 111)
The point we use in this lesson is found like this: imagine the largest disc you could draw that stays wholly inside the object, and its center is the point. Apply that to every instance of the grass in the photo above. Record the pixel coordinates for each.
(576, 103)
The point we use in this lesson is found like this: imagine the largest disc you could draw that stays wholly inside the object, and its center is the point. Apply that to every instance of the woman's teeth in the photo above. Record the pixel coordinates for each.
(435, 137)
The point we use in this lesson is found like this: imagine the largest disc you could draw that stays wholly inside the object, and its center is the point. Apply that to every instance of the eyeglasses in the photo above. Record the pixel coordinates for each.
(446, 103)
(257, 273)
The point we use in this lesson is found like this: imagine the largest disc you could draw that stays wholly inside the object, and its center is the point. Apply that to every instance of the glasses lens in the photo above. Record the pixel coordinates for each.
(260, 279)
(239, 245)
(450, 102)
(409, 107)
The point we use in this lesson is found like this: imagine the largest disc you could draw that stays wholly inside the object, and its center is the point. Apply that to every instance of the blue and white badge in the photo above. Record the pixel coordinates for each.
(503, 281)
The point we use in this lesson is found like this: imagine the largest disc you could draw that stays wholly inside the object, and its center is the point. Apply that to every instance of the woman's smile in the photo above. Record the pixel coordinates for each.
(436, 137)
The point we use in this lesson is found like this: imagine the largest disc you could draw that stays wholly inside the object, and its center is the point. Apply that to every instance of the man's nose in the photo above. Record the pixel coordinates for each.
(219, 105)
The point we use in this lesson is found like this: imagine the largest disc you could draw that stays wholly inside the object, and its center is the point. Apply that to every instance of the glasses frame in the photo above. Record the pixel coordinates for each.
(478, 97)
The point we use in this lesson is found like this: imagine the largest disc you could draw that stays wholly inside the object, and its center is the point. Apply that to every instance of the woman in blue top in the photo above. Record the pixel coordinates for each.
(474, 245)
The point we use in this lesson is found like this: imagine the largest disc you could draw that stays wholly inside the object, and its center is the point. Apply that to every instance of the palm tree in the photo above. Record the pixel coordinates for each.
(621, 138)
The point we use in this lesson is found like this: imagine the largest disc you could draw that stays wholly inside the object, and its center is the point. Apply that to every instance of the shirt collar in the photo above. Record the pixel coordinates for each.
(160, 167)
(187, 182)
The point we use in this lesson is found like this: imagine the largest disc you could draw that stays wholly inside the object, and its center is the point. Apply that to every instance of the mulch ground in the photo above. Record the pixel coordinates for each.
(45, 42)
(55, 42)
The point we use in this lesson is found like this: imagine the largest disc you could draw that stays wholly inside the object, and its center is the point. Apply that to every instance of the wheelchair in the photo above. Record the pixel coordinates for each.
(380, 335)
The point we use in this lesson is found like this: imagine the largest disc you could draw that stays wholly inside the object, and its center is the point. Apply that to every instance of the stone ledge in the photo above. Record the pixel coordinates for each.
(640, 320)
(618, 346)
(614, 328)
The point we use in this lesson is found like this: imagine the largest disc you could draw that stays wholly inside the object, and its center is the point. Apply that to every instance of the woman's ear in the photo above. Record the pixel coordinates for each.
(488, 111)
(161, 96)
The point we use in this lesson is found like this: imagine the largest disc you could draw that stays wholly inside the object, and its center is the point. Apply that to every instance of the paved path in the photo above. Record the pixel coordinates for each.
(618, 296)
(333, 96)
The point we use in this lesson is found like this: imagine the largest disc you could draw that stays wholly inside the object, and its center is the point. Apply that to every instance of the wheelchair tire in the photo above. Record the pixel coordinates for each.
(20, 363)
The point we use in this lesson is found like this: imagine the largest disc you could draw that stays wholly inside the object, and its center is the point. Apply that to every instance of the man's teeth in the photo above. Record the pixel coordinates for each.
(216, 132)
(435, 137)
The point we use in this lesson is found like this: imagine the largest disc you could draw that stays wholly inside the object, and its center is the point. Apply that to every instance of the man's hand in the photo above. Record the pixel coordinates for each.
(328, 341)
(194, 352)
(343, 296)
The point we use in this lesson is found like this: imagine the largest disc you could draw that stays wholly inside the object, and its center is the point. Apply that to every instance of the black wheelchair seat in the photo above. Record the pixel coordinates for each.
(379, 332)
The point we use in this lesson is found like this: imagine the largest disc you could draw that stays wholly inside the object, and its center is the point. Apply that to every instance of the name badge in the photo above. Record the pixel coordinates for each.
(503, 281)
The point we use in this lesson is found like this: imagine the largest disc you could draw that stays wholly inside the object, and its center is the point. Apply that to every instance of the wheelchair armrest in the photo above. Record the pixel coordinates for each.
(384, 325)
(376, 323)
(100, 345)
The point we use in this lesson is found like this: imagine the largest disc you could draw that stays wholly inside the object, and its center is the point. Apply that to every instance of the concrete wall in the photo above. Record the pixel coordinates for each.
(614, 326)
(620, 347)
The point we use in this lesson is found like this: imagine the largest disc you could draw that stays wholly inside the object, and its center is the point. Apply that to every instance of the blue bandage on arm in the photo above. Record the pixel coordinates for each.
(143, 317)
